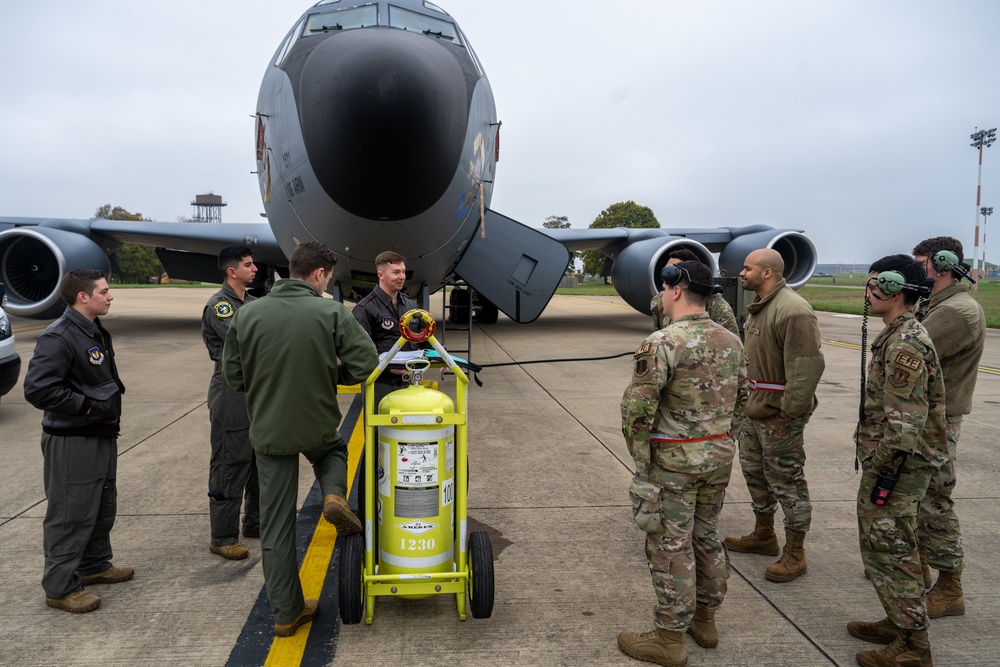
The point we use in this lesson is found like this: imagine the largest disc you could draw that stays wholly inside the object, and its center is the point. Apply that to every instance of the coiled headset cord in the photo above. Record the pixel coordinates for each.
(864, 370)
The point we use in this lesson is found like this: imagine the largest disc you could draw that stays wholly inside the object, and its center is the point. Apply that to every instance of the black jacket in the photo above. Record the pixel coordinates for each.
(72, 372)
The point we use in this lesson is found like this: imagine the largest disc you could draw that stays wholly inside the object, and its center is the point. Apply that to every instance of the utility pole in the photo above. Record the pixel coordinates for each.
(986, 211)
(980, 138)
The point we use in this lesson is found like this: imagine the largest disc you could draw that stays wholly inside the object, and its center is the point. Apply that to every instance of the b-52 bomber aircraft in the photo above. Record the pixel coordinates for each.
(376, 129)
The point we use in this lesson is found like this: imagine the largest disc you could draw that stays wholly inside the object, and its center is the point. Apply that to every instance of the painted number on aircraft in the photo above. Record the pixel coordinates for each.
(295, 186)
(416, 544)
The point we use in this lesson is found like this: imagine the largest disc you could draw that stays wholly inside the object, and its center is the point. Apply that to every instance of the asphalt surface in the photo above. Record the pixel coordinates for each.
(548, 478)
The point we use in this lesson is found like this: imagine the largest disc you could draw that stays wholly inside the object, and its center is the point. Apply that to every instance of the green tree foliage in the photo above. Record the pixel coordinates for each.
(556, 222)
(137, 263)
(622, 214)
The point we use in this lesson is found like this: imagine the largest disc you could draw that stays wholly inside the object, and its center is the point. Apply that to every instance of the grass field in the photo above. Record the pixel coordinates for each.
(841, 293)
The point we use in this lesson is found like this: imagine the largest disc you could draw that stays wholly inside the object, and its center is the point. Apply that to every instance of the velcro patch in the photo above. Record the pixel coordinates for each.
(899, 378)
(223, 309)
(909, 361)
(643, 349)
(641, 367)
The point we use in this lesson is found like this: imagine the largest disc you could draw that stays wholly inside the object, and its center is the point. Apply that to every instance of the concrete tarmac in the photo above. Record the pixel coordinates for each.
(548, 477)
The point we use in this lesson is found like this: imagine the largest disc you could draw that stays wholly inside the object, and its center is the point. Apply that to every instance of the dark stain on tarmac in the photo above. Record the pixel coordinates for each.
(497, 540)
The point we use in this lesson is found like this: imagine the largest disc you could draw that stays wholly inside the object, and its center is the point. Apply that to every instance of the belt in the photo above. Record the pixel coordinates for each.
(766, 386)
(660, 437)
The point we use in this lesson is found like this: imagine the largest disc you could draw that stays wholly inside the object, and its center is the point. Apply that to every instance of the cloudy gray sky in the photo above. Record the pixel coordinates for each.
(847, 119)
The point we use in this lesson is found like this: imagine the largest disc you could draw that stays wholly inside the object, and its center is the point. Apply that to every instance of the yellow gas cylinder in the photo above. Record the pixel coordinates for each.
(416, 483)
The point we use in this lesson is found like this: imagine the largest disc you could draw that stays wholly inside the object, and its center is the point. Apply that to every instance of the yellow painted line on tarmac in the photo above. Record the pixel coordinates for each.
(288, 651)
(32, 328)
(348, 388)
(604, 303)
(989, 370)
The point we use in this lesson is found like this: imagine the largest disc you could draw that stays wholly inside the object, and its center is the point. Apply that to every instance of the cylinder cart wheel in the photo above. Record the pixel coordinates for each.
(481, 579)
(352, 590)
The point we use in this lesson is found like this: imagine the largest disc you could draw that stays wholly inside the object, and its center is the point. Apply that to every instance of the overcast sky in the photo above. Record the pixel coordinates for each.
(849, 120)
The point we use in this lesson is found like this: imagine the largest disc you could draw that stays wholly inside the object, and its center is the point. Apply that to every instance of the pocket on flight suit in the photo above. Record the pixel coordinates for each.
(647, 506)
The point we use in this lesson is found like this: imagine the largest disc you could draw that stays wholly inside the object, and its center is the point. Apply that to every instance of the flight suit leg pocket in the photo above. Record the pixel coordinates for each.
(647, 506)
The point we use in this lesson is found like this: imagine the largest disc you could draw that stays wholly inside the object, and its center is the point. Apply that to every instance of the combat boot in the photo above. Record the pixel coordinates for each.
(659, 646)
(880, 632)
(910, 649)
(946, 598)
(338, 512)
(703, 628)
(761, 541)
(793, 560)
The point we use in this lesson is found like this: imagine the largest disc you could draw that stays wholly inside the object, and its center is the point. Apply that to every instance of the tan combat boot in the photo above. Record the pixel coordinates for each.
(946, 598)
(662, 647)
(910, 649)
(338, 512)
(703, 628)
(761, 541)
(880, 632)
(793, 560)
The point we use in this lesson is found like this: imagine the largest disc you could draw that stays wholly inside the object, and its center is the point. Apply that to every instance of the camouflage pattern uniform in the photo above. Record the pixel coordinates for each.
(904, 413)
(957, 327)
(719, 311)
(688, 385)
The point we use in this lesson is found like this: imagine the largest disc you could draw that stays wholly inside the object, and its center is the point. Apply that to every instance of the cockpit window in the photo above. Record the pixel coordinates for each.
(404, 19)
(343, 19)
(287, 46)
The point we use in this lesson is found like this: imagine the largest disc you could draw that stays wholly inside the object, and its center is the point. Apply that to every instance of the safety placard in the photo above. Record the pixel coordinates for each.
(417, 464)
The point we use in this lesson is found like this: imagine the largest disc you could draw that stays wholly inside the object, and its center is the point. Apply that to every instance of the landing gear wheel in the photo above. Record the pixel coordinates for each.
(481, 575)
(351, 596)
(488, 312)
(460, 302)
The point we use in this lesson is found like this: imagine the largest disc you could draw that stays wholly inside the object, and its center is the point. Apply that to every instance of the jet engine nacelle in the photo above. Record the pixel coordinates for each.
(34, 259)
(795, 248)
(636, 271)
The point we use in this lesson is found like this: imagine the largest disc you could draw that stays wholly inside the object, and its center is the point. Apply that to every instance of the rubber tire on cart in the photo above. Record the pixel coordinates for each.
(351, 596)
(481, 577)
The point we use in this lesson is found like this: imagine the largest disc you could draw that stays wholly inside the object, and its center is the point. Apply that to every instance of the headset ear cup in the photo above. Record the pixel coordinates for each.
(890, 282)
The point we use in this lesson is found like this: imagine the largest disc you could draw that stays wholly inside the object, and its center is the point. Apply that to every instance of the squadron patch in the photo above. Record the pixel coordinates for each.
(641, 367)
(899, 378)
(387, 323)
(643, 349)
(95, 356)
(223, 309)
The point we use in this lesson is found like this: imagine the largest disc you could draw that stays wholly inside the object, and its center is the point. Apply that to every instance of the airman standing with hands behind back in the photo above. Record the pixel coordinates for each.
(785, 364)
(688, 388)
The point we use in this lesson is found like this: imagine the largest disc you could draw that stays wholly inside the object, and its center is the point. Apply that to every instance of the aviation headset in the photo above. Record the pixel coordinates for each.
(671, 275)
(893, 282)
(946, 260)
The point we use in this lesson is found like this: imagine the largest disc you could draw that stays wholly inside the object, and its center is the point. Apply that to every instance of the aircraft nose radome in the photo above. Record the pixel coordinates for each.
(383, 114)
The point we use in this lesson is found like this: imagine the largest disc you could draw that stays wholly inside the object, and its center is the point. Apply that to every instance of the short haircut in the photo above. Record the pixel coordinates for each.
(684, 255)
(309, 256)
(698, 281)
(912, 271)
(76, 281)
(231, 256)
(388, 257)
(928, 247)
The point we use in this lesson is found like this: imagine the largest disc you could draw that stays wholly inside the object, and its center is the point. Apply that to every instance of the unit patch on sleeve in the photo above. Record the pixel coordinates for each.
(643, 349)
(223, 309)
(909, 361)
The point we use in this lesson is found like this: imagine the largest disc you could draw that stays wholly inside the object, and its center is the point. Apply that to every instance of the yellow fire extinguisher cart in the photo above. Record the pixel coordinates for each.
(413, 495)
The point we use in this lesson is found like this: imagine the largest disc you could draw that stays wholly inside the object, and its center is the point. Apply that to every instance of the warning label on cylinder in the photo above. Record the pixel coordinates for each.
(417, 464)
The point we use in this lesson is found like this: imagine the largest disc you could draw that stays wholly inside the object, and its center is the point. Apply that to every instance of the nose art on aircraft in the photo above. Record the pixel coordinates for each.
(383, 114)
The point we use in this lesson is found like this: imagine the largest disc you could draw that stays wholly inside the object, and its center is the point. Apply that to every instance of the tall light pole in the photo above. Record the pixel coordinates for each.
(986, 211)
(980, 138)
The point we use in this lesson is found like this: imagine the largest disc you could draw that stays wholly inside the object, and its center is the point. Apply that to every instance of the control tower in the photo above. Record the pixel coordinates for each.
(207, 208)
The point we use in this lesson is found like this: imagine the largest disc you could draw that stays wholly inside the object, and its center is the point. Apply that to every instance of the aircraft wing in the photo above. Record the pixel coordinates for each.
(36, 252)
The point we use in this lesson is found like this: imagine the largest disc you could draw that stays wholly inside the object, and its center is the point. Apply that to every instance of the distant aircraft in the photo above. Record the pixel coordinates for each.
(377, 130)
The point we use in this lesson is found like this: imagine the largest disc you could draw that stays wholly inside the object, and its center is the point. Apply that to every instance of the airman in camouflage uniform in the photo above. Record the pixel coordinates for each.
(688, 386)
(903, 433)
(719, 310)
(957, 327)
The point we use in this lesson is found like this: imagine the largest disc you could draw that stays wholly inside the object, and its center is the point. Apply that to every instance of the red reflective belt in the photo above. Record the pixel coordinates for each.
(766, 386)
(659, 437)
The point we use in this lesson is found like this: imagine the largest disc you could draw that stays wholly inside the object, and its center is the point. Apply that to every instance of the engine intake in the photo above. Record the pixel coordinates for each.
(636, 271)
(795, 249)
(34, 259)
